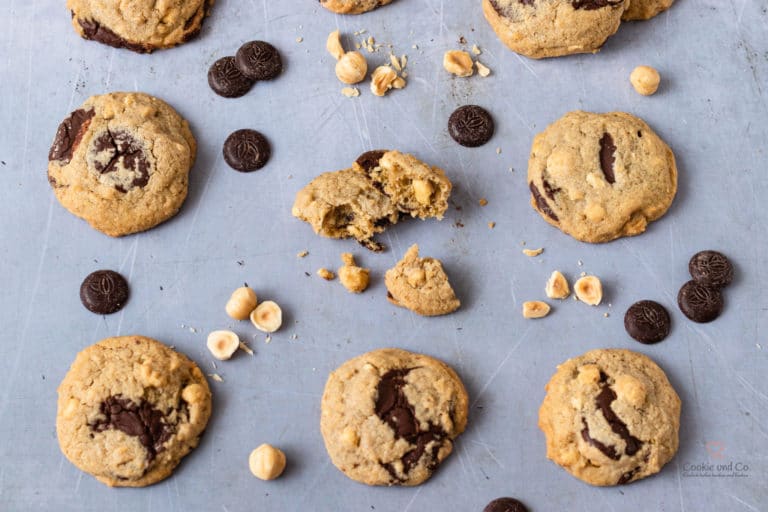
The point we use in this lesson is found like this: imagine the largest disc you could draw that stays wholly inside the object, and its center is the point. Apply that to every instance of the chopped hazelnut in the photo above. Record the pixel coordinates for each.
(458, 62)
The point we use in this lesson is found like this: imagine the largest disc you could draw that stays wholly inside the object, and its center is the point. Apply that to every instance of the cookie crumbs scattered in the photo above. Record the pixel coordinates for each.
(245, 348)
(483, 201)
(476, 49)
(216, 377)
(326, 274)
(350, 92)
(302, 254)
(533, 252)
(482, 69)
(491, 224)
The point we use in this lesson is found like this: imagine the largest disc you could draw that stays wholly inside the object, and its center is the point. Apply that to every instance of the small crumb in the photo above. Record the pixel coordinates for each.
(245, 348)
(213, 363)
(350, 92)
(759, 346)
(268, 339)
(294, 336)
(483, 201)
(498, 151)
(511, 169)
(462, 40)
(491, 224)
(192, 330)
(533, 252)
(395, 62)
(606, 315)
(580, 263)
(476, 49)
(299, 39)
(403, 61)
(583, 274)
(482, 69)
(415, 47)
(302, 254)
(326, 274)
(522, 243)
(216, 377)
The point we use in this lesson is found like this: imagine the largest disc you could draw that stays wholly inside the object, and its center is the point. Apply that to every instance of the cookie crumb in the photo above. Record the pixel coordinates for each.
(483, 201)
(606, 315)
(299, 39)
(302, 254)
(216, 377)
(533, 252)
(354, 278)
(350, 92)
(268, 339)
(326, 274)
(476, 49)
(498, 151)
(580, 263)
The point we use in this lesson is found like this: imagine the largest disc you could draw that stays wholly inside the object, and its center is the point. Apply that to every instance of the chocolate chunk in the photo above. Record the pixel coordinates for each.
(226, 80)
(549, 189)
(711, 268)
(647, 321)
(246, 150)
(138, 420)
(373, 245)
(607, 157)
(69, 135)
(700, 303)
(370, 159)
(94, 31)
(591, 5)
(505, 505)
(471, 126)
(603, 402)
(259, 60)
(104, 292)
(608, 451)
(628, 476)
(541, 203)
(120, 153)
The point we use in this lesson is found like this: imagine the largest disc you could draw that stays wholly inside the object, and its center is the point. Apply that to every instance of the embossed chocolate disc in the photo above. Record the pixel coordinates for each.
(246, 150)
(700, 303)
(505, 505)
(471, 126)
(226, 79)
(711, 268)
(259, 60)
(647, 321)
(104, 292)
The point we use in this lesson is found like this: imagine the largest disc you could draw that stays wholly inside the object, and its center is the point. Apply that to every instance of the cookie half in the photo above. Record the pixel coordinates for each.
(389, 417)
(121, 162)
(129, 409)
(610, 417)
(139, 25)
(645, 9)
(598, 177)
(352, 6)
(553, 28)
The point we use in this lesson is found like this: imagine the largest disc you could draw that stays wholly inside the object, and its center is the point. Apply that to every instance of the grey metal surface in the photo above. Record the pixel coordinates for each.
(712, 109)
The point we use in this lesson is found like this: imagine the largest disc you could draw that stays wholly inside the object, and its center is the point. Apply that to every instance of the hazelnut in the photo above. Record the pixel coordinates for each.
(645, 80)
(458, 63)
(535, 309)
(223, 344)
(589, 290)
(482, 69)
(333, 45)
(422, 190)
(382, 80)
(416, 277)
(266, 462)
(532, 253)
(351, 68)
(354, 278)
(267, 317)
(241, 303)
(557, 286)
(630, 389)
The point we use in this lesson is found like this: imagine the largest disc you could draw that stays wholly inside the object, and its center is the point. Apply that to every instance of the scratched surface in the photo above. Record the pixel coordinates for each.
(712, 109)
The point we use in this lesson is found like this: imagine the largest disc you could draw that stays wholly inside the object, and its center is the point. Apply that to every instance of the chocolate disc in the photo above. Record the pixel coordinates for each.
(505, 505)
(226, 79)
(246, 150)
(259, 60)
(647, 321)
(711, 268)
(700, 303)
(471, 126)
(104, 292)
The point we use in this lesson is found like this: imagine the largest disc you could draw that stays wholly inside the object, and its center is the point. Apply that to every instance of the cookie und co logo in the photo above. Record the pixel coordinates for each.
(717, 466)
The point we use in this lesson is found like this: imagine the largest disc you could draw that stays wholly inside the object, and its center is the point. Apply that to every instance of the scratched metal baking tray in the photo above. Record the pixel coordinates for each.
(712, 109)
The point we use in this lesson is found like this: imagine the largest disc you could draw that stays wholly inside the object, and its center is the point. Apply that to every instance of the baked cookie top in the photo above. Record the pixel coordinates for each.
(552, 28)
(129, 409)
(645, 9)
(389, 417)
(139, 25)
(121, 162)
(610, 417)
(599, 177)
(379, 189)
(352, 6)
(421, 285)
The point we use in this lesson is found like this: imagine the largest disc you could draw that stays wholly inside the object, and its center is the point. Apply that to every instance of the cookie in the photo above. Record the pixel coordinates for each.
(352, 6)
(390, 417)
(598, 177)
(645, 9)
(610, 417)
(139, 25)
(379, 189)
(421, 285)
(121, 162)
(552, 28)
(129, 409)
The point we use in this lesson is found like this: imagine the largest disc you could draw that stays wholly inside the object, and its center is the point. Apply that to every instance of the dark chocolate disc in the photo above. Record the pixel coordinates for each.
(259, 60)
(246, 150)
(711, 268)
(700, 303)
(647, 321)
(226, 79)
(505, 505)
(104, 292)
(471, 126)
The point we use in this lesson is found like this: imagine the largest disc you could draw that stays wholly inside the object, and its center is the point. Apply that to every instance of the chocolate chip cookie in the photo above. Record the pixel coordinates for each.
(610, 417)
(389, 417)
(421, 285)
(139, 25)
(645, 9)
(352, 6)
(129, 409)
(379, 189)
(121, 162)
(598, 177)
(552, 28)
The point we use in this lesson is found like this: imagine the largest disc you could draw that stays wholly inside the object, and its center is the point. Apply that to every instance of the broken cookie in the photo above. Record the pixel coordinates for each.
(421, 285)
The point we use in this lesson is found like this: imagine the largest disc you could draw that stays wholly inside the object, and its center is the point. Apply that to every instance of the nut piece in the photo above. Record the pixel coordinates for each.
(354, 278)
(533, 252)
(557, 286)
(535, 309)
(266, 462)
(482, 69)
(267, 317)
(382, 80)
(326, 274)
(333, 45)
(422, 190)
(350, 92)
(589, 290)
(458, 62)
(241, 303)
(645, 80)
(351, 68)
(223, 344)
